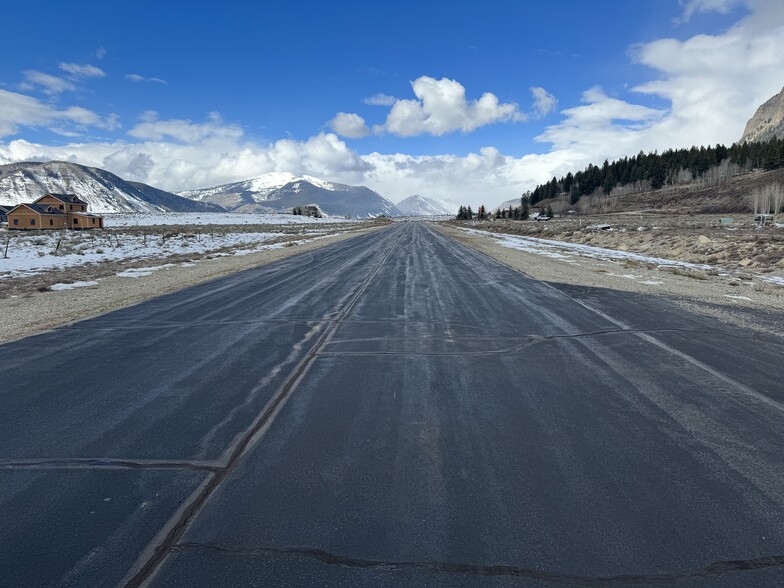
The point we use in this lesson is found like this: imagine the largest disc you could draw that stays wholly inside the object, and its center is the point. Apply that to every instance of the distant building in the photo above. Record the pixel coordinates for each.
(312, 210)
(53, 211)
(4, 213)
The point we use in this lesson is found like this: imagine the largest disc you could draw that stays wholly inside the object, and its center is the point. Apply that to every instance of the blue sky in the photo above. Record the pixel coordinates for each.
(185, 95)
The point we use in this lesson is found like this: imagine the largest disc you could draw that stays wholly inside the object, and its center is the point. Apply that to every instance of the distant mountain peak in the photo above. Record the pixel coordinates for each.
(417, 205)
(767, 122)
(282, 191)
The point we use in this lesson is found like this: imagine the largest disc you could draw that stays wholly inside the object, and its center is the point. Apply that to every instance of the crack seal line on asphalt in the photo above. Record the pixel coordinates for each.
(528, 342)
(711, 570)
(732, 382)
(109, 463)
(154, 555)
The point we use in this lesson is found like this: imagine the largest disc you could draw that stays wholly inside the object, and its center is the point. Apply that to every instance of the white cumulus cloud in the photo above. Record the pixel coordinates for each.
(544, 102)
(441, 107)
(349, 125)
(186, 131)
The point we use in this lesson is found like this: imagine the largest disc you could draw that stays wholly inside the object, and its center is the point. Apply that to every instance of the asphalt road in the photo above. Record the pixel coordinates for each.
(395, 409)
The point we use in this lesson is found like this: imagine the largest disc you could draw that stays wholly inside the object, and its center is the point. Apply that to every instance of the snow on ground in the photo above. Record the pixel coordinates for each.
(567, 252)
(215, 218)
(35, 254)
(72, 285)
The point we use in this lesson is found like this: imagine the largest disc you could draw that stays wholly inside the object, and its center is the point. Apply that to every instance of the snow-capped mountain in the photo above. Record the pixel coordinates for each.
(276, 191)
(103, 191)
(417, 205)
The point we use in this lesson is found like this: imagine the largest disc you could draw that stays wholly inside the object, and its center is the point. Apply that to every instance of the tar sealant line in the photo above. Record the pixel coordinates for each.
(109, 463)
(158, 550)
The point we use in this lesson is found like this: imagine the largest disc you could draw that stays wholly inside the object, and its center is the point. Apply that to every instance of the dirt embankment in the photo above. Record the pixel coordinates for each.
(695, 239)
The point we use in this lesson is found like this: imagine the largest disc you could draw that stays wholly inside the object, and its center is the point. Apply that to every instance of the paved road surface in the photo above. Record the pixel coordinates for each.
(396, 409)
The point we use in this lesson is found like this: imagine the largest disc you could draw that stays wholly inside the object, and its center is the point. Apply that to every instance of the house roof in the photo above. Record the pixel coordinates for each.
(67, 198)
(5, 208)
(39, 208)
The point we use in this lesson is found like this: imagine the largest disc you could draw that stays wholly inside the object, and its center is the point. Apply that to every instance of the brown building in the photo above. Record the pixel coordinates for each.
(54, 211)
(34, 217)
(64, 202)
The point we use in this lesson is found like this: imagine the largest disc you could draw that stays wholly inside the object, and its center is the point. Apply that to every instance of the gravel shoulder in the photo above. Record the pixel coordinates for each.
(36, 311)
(744, 301)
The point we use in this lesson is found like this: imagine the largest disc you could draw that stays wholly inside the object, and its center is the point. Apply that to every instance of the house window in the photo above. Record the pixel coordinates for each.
(16, 221)
(93, 221)
(51, 222)
(62, 207)
(32, 221)
(76, 221)
(70, 207)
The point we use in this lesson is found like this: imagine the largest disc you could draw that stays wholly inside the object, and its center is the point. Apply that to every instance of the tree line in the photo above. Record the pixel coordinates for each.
(654, 170)
(522, 212)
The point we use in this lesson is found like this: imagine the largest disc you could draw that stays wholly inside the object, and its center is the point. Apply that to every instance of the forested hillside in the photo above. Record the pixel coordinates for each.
(702, 166)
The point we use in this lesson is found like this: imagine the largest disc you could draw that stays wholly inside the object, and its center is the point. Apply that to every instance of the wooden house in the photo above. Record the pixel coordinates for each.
(54, 211)
(34, 217)
(64, 202)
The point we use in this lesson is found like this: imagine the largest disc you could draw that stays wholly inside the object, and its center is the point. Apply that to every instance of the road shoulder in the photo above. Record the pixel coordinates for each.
(747, 304)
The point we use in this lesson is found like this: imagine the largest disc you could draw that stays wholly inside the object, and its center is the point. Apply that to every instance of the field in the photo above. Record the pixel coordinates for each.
(134, 245)
(693, 239)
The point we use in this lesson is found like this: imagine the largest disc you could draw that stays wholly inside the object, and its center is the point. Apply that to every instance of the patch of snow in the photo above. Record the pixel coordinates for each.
(551, 248)
(34, 254)
(737, 297)
(215, 218)
(72, 285)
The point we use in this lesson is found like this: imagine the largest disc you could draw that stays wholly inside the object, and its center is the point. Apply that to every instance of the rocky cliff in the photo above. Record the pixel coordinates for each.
(767, 122)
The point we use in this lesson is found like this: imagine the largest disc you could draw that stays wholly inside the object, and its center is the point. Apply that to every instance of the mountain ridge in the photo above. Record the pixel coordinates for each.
(103, 191)
(416, 205)
(281, 191)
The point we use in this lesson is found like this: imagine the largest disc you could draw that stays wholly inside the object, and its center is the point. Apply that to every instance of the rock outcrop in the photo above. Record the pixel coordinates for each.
(767, 122)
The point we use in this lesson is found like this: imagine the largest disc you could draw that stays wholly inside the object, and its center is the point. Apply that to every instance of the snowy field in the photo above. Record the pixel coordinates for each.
(35, 254)
(569, 252)
(215, 218)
